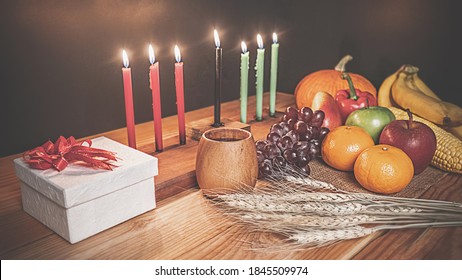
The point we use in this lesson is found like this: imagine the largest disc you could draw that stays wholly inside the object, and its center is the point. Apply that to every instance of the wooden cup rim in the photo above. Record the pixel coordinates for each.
(226, 135)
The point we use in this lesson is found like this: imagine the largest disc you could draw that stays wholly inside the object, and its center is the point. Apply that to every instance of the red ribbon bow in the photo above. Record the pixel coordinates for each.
(58, 155)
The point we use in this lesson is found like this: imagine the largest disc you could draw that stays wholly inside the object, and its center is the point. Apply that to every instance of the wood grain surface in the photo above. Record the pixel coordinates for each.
(185, 226)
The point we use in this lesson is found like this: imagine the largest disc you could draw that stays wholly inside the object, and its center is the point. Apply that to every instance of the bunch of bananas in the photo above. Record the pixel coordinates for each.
(404, 89)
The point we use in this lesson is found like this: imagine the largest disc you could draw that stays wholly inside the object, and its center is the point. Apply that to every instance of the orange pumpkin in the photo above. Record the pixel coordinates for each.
(329, 81)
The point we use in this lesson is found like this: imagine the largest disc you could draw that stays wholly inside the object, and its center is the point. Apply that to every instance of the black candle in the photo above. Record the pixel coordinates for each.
(218, 72)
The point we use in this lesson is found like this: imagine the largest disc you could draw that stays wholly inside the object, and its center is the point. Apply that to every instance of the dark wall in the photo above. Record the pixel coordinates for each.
(61, 60)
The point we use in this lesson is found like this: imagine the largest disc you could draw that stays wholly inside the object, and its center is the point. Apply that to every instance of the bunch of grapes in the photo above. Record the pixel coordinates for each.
(295, 141)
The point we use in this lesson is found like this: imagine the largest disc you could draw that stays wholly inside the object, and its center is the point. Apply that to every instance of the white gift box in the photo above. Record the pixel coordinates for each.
(79, 202)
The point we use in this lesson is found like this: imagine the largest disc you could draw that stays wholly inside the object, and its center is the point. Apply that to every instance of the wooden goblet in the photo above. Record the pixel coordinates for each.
(226, 159)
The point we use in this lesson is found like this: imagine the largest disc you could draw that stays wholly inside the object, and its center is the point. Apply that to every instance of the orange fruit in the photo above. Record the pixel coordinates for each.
(343, 145)
(384, 169)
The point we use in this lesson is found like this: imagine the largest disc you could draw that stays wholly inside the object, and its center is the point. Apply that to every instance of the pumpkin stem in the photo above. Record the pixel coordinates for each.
(347, 77)
(342, 63)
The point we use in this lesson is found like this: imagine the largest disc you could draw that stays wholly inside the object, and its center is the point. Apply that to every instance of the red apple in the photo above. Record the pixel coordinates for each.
(416, 139)
(326, 103)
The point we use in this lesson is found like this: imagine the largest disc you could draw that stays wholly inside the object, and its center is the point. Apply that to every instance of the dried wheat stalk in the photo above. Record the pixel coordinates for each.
(322, 237)
(310, 212)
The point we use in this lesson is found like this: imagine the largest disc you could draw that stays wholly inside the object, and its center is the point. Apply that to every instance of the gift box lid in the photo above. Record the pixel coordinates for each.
(77, 184)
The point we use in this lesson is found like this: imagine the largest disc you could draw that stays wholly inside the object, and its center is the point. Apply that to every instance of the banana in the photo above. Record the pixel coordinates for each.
(406, 96)
(384, 97)
(413, 81)
(423, 87)
(450, 113)
(453, 111)
(416, 83)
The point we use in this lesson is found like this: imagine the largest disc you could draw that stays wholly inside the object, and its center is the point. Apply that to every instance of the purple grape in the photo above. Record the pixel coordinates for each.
(293, 135)
(322, 133)
(284, 143)
(316, 142)
(260, 144)
(303, 160)
(260, 157)
(305, 169)
(309, 133)
(301, 146)
(303, 137)
(305, 114)
(318, 118)
(300, 127)
(292, 113)
(271, 151)
(314, 150)
(285, 118)
(290, 155)
(285, 127)
(272, 137)
(313, 131)
(276, 128)
(291, 123)
(279, 161)
(266, 167)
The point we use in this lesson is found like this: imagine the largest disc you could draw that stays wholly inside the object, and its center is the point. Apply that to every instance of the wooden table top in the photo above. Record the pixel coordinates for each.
(181, 226)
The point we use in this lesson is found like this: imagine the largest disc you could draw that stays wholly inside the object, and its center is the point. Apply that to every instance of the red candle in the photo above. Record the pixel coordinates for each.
(179, 86)
(155, 89)
(128, 93)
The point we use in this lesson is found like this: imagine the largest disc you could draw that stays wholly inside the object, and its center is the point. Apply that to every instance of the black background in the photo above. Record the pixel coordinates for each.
(61, 60)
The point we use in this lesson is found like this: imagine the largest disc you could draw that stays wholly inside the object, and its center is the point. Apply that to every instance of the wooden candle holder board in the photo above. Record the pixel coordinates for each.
(195, 129)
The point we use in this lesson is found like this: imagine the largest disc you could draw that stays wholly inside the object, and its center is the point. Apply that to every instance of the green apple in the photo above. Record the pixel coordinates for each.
(372, 119)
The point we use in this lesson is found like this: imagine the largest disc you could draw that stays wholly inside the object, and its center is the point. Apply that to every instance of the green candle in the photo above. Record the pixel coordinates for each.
(274, 75)
(244, 81)
(260, 68)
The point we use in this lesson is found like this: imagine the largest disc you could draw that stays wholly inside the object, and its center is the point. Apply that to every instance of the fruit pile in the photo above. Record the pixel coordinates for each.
(345, 122)
(295, 141)
(345, 97)
(372, 136)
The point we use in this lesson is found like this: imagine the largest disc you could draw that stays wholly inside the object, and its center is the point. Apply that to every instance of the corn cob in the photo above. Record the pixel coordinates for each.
(448, 155)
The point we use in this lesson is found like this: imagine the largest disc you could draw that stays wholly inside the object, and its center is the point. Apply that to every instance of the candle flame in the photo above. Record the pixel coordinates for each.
(177, 54)
(275, 38)
(125, 59)
(217, 39)
(259, 41)
(152, 56)
(243, 47)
